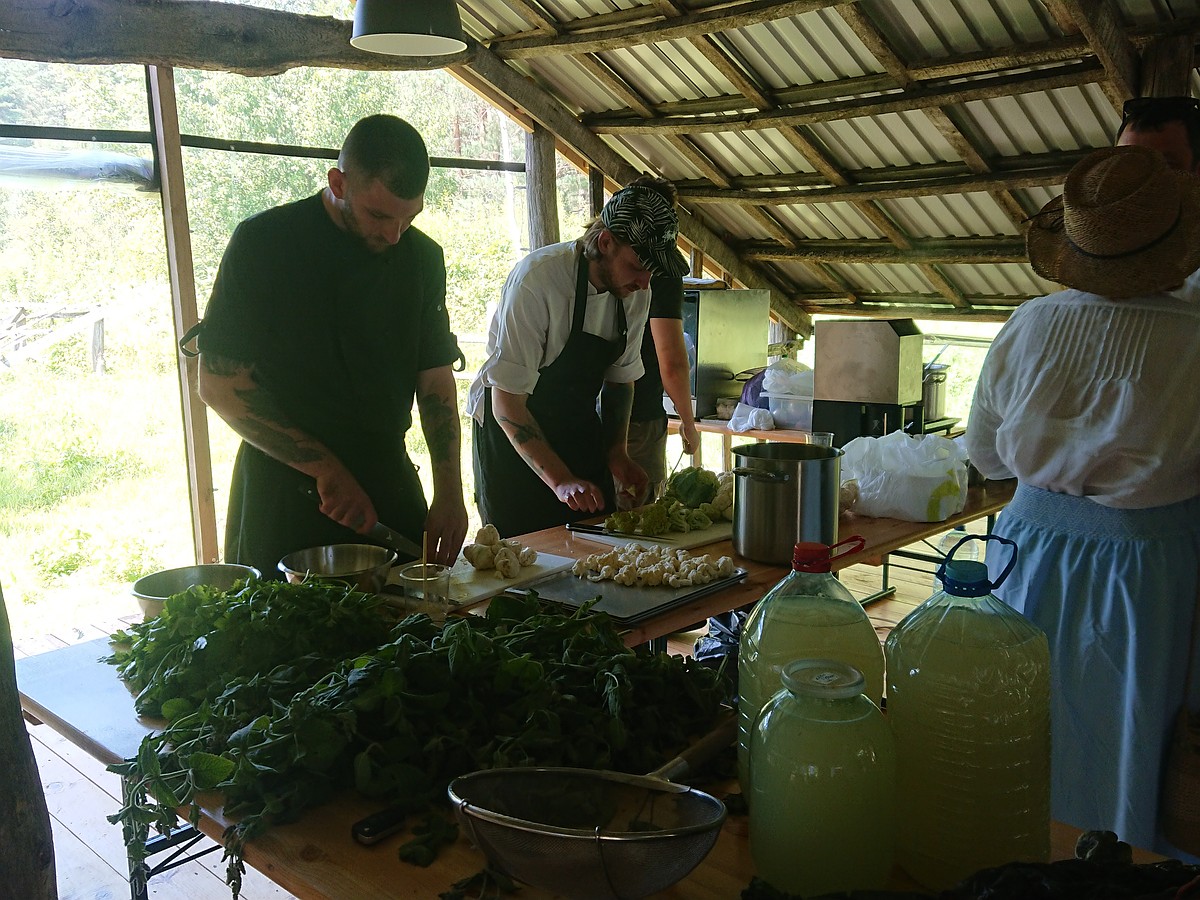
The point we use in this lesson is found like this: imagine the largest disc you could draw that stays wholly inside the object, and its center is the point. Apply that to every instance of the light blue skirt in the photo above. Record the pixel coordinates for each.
(1115, 591)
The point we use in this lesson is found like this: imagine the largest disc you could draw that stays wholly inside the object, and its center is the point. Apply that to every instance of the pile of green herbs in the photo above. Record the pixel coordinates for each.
(278, 732)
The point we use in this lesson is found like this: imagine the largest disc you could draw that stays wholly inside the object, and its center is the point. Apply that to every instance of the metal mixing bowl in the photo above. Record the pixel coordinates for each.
(365, 566)
(152, 590)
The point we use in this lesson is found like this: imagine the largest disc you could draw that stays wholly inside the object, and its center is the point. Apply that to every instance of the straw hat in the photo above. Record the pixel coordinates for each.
(1125, 225)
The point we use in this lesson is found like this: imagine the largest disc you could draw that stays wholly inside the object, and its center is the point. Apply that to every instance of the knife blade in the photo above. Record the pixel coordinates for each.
(600, 529)
(393, 540)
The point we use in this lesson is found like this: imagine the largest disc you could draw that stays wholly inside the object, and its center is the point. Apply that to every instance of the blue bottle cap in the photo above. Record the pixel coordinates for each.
(966, 578)
(828, 679)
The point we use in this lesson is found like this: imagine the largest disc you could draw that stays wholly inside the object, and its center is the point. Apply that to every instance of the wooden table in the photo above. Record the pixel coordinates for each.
(883, 537)
(82, 699)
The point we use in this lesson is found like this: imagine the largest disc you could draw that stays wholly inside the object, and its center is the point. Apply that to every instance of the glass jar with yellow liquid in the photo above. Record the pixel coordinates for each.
(822, 784)
(807, 615)
(969, 705)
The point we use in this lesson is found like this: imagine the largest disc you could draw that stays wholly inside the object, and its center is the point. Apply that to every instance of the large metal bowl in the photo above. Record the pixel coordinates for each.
(152, 590)
(364, 566)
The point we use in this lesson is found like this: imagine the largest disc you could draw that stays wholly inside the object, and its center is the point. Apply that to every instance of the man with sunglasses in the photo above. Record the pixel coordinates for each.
(568, 333)
(1170, 125)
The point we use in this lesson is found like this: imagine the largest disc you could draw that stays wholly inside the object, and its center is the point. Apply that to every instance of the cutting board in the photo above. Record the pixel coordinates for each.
(627, 604)
(717, 531)
(470, 585)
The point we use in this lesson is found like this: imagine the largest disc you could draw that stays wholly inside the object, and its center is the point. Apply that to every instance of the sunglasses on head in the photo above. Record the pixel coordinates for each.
(1161, 108)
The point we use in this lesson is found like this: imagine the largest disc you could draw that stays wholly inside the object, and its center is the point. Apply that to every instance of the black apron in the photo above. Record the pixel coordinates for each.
(510, 495)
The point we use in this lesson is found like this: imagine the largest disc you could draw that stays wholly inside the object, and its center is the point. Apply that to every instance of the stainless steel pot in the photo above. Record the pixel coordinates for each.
(783, 494)
(933, 391)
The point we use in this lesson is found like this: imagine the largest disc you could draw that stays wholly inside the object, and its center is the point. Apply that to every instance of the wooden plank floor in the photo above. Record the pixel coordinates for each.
(80, 793)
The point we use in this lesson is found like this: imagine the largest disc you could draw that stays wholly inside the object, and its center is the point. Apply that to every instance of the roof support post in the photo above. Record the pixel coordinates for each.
(541, 189)
(164, 115)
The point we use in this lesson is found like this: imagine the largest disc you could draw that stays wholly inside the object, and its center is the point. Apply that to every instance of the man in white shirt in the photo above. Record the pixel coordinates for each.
(568, 331)
(1170, 125)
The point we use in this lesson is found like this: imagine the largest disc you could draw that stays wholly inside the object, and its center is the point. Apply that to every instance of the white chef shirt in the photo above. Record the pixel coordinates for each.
(533, 322)
(1092, 397)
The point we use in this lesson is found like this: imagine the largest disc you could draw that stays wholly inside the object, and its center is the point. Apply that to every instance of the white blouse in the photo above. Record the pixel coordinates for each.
(533, 321)
(1093, 397)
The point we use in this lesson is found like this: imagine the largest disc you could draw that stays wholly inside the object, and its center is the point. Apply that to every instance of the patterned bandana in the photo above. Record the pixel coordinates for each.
(642, 218)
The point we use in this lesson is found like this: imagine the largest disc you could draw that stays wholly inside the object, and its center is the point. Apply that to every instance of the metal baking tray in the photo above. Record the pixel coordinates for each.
(625, 604)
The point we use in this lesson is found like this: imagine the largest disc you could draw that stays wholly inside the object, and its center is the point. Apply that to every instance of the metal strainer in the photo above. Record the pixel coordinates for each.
(590, 834)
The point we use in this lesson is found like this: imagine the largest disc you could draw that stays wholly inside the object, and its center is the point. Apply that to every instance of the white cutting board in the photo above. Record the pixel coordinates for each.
(717, 531)
(470, 585)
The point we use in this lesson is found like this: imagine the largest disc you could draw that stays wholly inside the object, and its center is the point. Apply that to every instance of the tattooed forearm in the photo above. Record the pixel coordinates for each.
(279, 444)
(522, 432)
(439, 422)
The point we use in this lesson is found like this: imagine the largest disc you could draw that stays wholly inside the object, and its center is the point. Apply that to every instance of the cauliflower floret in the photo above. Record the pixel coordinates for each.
(627, 575)
(480, 556)
(725, 566)
(488, 534)
(653, 576)
(507, 564)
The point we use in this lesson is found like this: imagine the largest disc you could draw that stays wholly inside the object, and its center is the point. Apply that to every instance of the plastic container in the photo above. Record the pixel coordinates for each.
(969, 705)
(790, 411)
(822, 784)
(807, 615)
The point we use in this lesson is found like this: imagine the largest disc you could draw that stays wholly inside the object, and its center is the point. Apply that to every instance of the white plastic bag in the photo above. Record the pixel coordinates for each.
(786, 376)
(751, 418)
(918, 479)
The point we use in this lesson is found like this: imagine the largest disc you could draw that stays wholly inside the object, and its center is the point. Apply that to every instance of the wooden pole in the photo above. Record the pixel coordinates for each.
(541, 188)
(26, 842)
(165, 122)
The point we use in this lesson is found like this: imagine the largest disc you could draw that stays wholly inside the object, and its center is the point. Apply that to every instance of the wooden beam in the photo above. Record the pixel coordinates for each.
(920, 97)
(1100, 24)
(600, 38)
(164, 116)
(953, 251)
(193, 34)
(923, 187)
(1166, 66)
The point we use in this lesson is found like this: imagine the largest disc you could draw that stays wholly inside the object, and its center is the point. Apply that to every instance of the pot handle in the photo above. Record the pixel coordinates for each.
(759, 475)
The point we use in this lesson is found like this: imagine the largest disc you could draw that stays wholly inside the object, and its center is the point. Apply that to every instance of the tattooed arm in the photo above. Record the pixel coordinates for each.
(229, 388)
(526, 436)
(437, 402)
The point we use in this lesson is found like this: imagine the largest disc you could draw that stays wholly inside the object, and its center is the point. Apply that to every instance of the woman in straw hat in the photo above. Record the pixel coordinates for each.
(1090, 397)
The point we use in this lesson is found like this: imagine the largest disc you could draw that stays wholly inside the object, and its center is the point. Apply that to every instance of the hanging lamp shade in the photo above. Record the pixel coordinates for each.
(408, 27)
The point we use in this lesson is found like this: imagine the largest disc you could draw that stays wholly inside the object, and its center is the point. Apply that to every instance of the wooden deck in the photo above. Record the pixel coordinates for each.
(80, 793)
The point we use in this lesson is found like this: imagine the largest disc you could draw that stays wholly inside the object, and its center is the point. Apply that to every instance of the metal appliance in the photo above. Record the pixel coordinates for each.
(867, 378)
(727, 332)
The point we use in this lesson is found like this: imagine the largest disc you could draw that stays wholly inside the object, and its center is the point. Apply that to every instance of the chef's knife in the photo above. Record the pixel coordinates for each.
(393, 540)
(600, 529)
(390, 538)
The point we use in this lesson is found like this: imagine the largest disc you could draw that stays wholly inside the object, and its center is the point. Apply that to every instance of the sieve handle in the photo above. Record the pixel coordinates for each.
(761, 474)
(700, 752)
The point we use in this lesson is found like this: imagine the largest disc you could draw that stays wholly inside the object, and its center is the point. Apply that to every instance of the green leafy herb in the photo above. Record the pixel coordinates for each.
(395, 718)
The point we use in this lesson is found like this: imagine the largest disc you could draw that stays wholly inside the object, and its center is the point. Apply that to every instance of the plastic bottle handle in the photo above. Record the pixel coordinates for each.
(1012, 560)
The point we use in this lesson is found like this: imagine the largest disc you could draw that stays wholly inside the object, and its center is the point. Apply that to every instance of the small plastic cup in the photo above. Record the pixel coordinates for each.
(821, 438)
(427, 588)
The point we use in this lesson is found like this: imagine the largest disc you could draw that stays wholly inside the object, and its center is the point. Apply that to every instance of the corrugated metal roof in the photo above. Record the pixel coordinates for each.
(973, 128)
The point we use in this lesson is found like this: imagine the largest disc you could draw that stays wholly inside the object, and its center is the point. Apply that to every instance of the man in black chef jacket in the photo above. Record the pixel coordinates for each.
(568, 331)
(327, 317)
